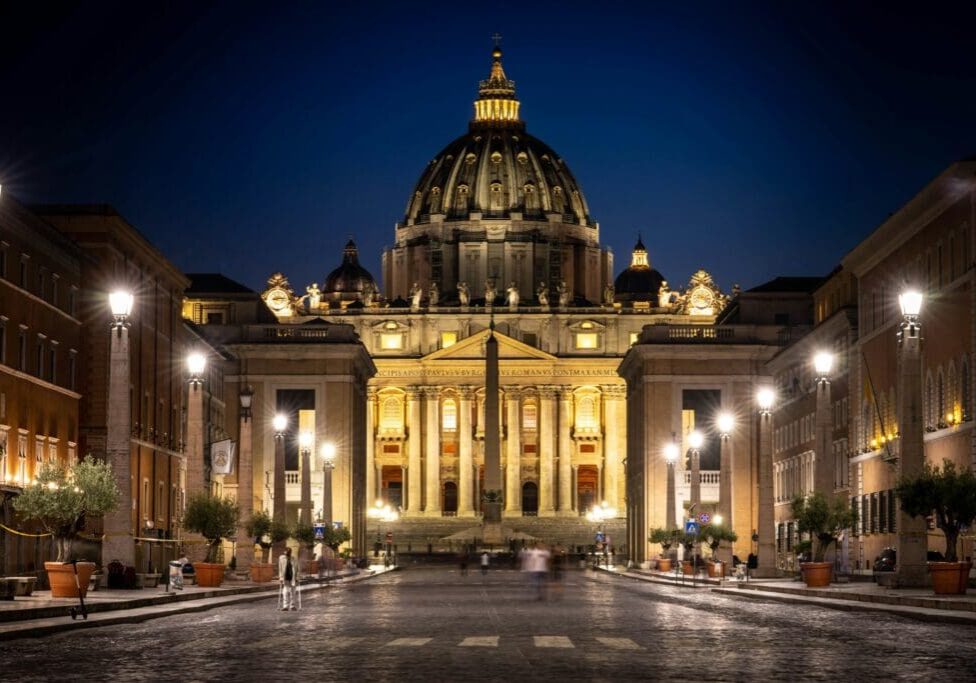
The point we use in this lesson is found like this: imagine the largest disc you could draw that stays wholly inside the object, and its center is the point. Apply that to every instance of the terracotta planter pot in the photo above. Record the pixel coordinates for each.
(209, 575)
(687, 567)
(715, 569)
(950, 578)
(816, 574)
(62, 578)
(262, 572)
(664, 565)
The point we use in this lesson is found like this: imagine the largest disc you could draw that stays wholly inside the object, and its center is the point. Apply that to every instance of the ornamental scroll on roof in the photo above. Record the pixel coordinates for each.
(702, 296)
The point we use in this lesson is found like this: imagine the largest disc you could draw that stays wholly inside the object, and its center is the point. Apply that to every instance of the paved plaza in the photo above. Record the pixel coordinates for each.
(435, 624)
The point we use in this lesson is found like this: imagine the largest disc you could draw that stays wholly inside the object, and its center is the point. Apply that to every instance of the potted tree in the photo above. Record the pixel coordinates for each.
(266, 532)
(305, 535)
(951, 494)
(335, 537)
(61, 499)
(823, 519)
(691, 561)
(714, 535)
(666, 538)
(215, 519)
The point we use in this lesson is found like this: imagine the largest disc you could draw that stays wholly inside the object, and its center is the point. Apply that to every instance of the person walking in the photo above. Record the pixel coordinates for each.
(288, 580)
(485, 561)
(535, 561)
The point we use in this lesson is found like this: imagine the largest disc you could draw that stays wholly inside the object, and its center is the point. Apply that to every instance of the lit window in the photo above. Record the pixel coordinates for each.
(391, 415)
(586, 413)
(448, 339)
(634, 338)
(449, 415)
(586, 340)
(391, 342)
(530, 417)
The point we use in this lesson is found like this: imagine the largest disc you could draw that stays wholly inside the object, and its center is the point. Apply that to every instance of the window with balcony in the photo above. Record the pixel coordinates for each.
(449, 415)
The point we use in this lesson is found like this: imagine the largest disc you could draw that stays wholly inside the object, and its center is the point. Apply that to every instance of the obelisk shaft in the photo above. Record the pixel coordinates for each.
(493, 471)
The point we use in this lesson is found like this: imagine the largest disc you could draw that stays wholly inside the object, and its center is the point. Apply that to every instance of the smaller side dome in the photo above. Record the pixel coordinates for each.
(638, 282)
(350, 281)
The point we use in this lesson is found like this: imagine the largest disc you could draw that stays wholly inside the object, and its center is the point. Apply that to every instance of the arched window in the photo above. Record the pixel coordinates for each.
(530, 415)
(964, 397)
(586, 413)
(940, 398)
(930, 418)
(449, 415)
(951, 396)
(391, 414)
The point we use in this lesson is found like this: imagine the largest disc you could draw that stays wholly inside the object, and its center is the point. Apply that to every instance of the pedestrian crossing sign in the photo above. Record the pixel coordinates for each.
(691, 527)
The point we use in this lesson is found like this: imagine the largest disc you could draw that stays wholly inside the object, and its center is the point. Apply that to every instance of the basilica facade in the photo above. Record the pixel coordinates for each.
(496, 230)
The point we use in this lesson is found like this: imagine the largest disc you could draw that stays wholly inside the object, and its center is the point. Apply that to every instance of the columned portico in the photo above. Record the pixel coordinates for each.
(513, 466)
(371, 474)
(414, 444)
(565, 452)
(433, 452)
(465, 463)
(547, 433)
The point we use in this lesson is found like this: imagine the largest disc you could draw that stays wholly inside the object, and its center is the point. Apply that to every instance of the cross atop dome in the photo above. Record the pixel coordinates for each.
(496, 104)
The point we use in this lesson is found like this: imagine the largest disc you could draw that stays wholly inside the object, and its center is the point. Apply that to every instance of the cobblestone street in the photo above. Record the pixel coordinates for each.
(434, 624)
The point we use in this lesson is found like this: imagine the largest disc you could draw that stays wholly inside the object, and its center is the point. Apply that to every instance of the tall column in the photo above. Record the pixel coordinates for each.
(547, 433)
(465, 474)
(194, 439)
(278, 512)
(565, 450)
(767, 521)
(695, 457)
(433, 507)
(305, 505)
(823, 464)
(613, 448)
(912, 551)
(513, 477)
(119, 543)
(245, 488)
(372, 494)
(670, 517)
(414, 443)
(725, 491)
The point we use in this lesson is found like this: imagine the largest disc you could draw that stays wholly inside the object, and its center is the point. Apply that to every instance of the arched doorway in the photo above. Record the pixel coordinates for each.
(587, 487)
(450, 505)
(530, 498)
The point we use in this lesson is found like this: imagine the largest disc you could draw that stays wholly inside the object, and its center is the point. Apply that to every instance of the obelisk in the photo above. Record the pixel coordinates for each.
(492, 503)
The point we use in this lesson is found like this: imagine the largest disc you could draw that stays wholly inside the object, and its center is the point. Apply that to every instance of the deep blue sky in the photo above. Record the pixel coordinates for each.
(751, 141)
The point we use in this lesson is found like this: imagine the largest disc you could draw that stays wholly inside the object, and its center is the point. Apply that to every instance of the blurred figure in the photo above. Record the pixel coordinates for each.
(535, 561)
(485, 561)
(558, 563)
(463, 562)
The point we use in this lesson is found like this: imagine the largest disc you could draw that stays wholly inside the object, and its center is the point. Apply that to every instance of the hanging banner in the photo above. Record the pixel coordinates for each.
(222, 456)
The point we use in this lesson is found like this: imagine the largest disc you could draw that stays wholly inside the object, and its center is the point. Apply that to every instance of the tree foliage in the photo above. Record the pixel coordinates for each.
(949, 493)
(334, 537)
(266, 531)
(714, 534)
(213, 518)
(823, 519)
(666, 537)
(62, 497)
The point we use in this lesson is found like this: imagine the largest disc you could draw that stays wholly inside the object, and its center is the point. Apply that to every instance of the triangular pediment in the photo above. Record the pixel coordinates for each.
(473, 348)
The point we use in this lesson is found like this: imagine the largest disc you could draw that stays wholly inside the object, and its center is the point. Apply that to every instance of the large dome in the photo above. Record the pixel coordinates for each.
(497, 168)
(494, 172)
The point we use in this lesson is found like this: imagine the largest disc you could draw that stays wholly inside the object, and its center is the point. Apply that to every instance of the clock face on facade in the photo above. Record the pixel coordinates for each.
(701, 298)
(277, 299)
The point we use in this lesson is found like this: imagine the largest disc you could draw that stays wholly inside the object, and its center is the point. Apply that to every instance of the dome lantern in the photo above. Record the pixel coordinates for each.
(496, 104)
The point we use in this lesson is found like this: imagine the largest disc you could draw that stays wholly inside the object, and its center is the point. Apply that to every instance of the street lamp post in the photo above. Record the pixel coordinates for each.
(328, 464)
(196, 364)
(823, 479)
(119, 543)
(766, 555)
(383, 513)
(245, 482)
(280, 423)
(305, 508)
(725, 424)
(695, 439)
(912, 549)
(671, 457)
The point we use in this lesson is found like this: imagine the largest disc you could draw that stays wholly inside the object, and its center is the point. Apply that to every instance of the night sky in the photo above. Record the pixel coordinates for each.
(750, 141)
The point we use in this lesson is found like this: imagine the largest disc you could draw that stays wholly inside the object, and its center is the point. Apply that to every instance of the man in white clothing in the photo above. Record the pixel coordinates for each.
(288, 579)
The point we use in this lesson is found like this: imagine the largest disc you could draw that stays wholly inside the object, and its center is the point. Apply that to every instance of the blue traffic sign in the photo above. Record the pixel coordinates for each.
(691, 527)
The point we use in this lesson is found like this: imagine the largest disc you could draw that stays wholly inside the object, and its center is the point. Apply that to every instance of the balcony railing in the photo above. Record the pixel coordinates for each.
(707, 477)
